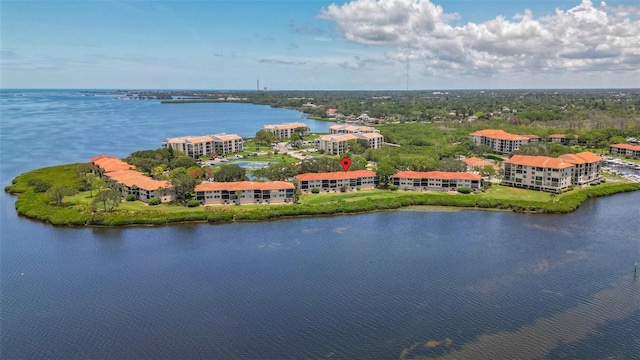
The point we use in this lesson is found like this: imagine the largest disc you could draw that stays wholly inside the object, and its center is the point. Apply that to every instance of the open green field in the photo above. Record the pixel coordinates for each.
(77, 210)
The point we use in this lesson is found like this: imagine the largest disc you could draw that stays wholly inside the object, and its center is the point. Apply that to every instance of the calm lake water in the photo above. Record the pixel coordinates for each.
(389, 285)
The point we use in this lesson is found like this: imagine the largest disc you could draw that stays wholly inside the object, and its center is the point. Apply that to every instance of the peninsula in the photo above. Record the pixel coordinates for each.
(464, 165)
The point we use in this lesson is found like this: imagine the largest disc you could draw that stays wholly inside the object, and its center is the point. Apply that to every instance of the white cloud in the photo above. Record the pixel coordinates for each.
(584, 38)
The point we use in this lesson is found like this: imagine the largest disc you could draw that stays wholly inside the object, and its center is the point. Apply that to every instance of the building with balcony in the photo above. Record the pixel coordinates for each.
(586, 167)
(625, 150)
(284, 131)
(197, 146)
(337, 144)
(500, 141)
(351, 129)
(337, 181)
(537, 173)
(245, 192)
(128, 181)
(436, 180)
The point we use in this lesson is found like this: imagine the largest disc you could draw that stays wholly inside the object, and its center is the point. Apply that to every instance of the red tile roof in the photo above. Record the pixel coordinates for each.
(132, 178)
(443, 175)
(111, 163)
(203, 138)
(244, 185)
(335, 175)
(626, 147)
(123, 173)
(538, 161)
(581, 158)
(502, 135)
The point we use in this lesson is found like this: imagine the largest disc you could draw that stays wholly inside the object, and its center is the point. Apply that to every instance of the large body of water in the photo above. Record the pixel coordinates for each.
(405, 284)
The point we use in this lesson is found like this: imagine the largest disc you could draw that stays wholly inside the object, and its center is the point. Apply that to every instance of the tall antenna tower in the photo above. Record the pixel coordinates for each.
(407, 73)
(258, 84)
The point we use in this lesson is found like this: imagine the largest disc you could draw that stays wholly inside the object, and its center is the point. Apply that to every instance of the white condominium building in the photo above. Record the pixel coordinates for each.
(436, 180)
(285, 131)
(537, 173)
(625, 150)
(196, 146)
(338, 181)
(501, 141)
(337, 144)
(351, 129)
(245, 192)
(586, 167)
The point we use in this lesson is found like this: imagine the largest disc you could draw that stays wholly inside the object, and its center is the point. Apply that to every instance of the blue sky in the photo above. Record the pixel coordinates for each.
(299, 45)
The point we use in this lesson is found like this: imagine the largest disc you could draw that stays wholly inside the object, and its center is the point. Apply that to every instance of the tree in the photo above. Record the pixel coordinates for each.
(277, 171)
(183, 162)
(487, 170)
(195, 172)
(265, 138)
(297, 192)
(617, 140)
(209, 171)
(183, 186)
(356, 146)
(296, 139)
(58, 192)
(109, 198)
(94, 183)
(385, 172)
(450, 164)
(86, 171)
(231, 172)
(320, 164)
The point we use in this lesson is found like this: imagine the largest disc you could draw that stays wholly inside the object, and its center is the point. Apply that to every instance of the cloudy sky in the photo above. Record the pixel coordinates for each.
(332, 45)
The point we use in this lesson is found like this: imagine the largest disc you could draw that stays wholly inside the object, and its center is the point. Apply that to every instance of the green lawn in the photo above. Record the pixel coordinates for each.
(83, 198)
(506, 192)
(308, 199)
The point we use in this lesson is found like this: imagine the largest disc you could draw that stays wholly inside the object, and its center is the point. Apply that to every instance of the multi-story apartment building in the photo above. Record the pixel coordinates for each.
(196, 146)
(436, 180)
(128, 181)
(284, 131)
(245, 192)
(351, 129)
(625, 150)
(336, 144)
(537, 173)
(564, 139)
(586, 167)
(338, 181)
(500, 141)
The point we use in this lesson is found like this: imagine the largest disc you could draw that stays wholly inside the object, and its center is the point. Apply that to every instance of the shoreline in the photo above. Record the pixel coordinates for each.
(36, 206)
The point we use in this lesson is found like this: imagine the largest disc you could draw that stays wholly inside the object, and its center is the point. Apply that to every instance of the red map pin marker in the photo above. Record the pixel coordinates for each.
(345, 162)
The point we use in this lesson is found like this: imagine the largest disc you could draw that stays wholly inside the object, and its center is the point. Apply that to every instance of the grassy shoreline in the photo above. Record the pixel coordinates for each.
(76, 209)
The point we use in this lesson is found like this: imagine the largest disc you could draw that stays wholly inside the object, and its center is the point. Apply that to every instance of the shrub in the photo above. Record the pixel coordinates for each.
(357, 188)
(315, 190)
(39, 185)
(343, 189)
(154, 201)
(132, 197)
(193, 203)
(393, 187)
(464, 190)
